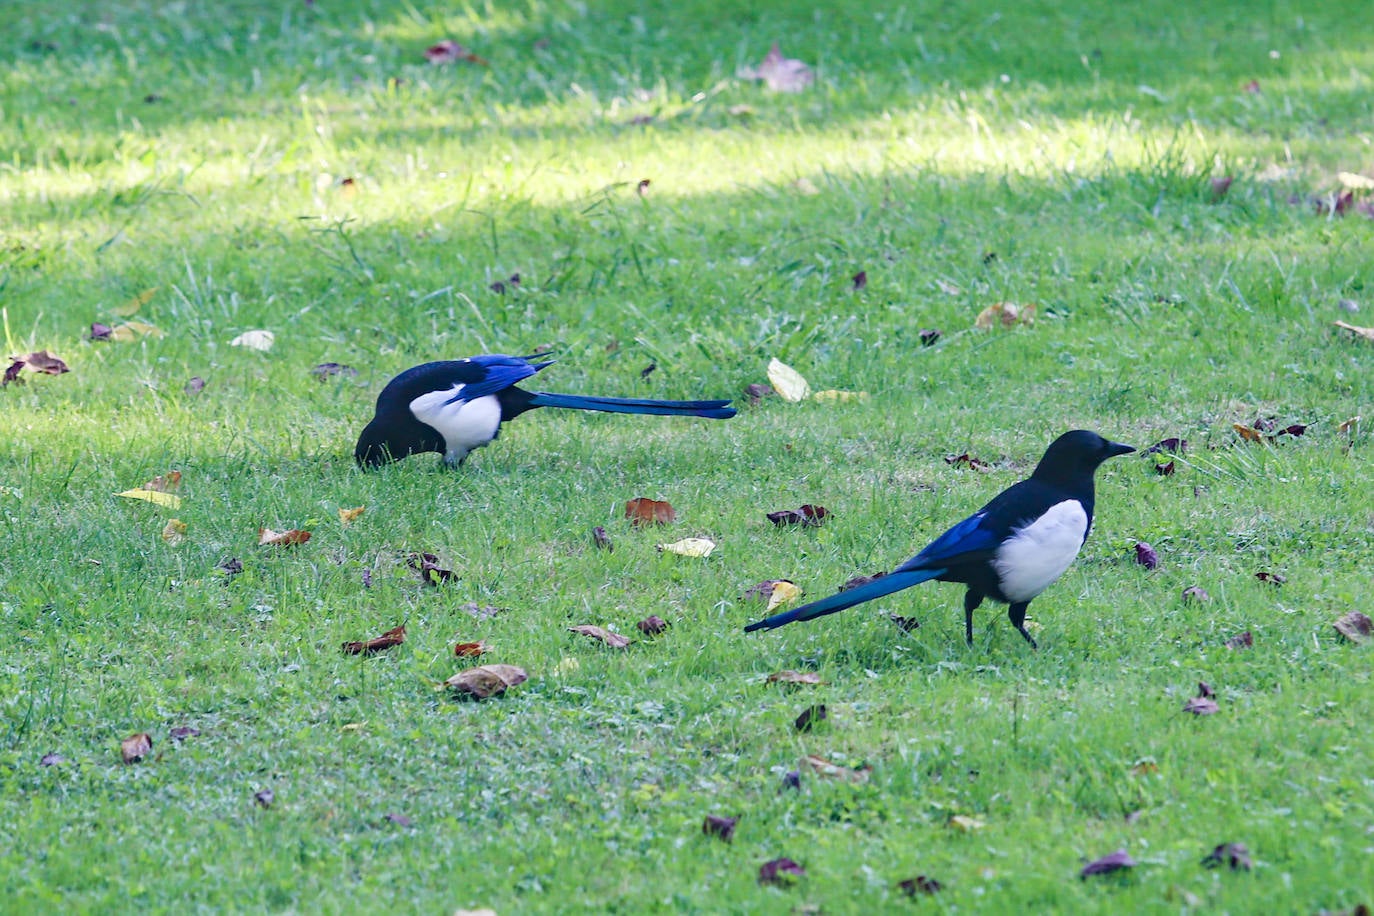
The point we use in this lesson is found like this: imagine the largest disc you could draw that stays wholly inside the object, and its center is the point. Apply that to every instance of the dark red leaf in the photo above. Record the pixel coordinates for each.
(808, 516)
(810, 718)
(1111, 862)
(601, 539)
(780, 871)
(264, 797)
(1196, 593)
(1234, 855)
(1297, 429)
(1146, 556)
(860, 279)
(717, 826)
(967, 461)
(499, 287)
(920, 885)
(12, 373)
(1273, 579)
(427, 565)
(101, 331)
(1240, 641)
(1164, 470)
(653, 625)
(388, 640)
(1173, 445)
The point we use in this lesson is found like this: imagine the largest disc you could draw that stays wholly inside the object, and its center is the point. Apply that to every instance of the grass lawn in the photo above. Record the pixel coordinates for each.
(205, 170)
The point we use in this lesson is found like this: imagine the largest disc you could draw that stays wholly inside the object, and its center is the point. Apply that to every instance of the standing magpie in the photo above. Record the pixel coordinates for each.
(1010, 550)
(455, 406)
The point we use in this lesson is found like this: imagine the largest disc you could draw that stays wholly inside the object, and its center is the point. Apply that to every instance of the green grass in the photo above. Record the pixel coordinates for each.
(199, 149)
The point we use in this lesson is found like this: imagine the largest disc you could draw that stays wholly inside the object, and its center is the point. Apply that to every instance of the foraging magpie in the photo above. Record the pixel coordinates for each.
(455, 406)
(1010, 550)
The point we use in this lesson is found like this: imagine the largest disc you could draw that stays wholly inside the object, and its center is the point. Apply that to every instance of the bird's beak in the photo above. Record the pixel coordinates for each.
(1118, 448)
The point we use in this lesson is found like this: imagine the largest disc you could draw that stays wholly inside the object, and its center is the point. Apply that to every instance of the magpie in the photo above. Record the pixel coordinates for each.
(455, 406)
(1010, 550)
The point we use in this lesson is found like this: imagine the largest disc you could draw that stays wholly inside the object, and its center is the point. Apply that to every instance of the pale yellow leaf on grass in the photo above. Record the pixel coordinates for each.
(948, 288)
(831, 394)
(1366, 333)
(1006, 314)
(965, 823)
(174, 532)
(1355, 182)
(131, 307)
(170, 500)
(347, 516)
(255, 340)
(132, 330)
(783, 592)
(787, 382)
(689, 547)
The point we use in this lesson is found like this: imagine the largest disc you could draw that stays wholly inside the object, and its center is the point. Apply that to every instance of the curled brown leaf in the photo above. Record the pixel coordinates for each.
(388, 640)
(718, 826)
(486, 680)
(642, 512)
(136, 747)
(601, 634)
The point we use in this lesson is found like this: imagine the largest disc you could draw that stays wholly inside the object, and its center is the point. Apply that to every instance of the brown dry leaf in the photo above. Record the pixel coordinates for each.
(388, 640)
(264, 798)
(12, 373)
(601, 539)
(289, 538)
(689, 547)
(1196, 593)
(810, 717)
(1274, 579)
(614, 640)
(787, 382)
(822, 767)
(1355, 627)
(1348, 425)
(486, 680)
(348, 516)
(1145, 768)
(1202, 705)
(1112, 861)
(130, 331)
(905, 624)
(471, 649)
(1365, 333)
(448, 51)
(165, 483)
(1006, 314)
(1240, 641)
(427, 565)
(780, 74)
(136, 747)
(808, 516)
(1247, 433)
(174, 532)
(653, 625)
(967, 461)
(921, 884)
(794, 677)
(45, 362)
(1234, 855)
(856, 581)
(327, 370)
(780, 871)
(642, 512)
(717, 826)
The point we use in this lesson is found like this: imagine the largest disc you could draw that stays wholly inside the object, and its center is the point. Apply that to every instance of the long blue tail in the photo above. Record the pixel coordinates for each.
(714, 410)
(893, 582)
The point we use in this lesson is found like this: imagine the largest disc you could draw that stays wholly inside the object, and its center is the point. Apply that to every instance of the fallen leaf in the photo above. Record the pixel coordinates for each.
(1365, 333)
(860, 280)
(1164, 470)
(165, 483)
(130, 331)
(833, 395)
(169, 500)
(400, 820)
(757, 392)
(794, 677)
(601, 539)
(1146, 556)
(427, 565)
(919, 885)
(1240, 641)
(264, 797)
(780, 74)
(470, 649)
(905, 624)
(642, 189)
(721, 827)
(1220, 185)
(614, 640)
(1273, 579)
(781, 593)
(289, 538)
(1201, 705)
(653, 625)
(1252, 87)
(967, 461)
(130, 308)
(254, 340)
(822, 767)
(787, 382)
(1247, 433)
(856, 581)
(44, 362)
(965, 823)
(349, 516)
(1007, 314)
(1355, 626)
(448, 51)
(174, 532)
(928, 336)
(1348, 425)
(642, 511)
(689, 547)
(1196, 593)
(135, 747)
(1145, 768)
(948, 288)
(327, 370)
(1335, 204)
(1234, 855)
(810, 717)
(52, 760)
(1173, 445)
(1111, 862)
(486, 680)
(195, 386)
(790, 780)
(808, 516)
(1355, 181)
(780, 871)
(182, 732)
(231, 567)
(12, 373)
(388, 640)
(1204, 689)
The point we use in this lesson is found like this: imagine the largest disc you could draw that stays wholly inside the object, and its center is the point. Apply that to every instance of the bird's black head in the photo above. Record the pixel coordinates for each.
(1076, 455)
(390, 438)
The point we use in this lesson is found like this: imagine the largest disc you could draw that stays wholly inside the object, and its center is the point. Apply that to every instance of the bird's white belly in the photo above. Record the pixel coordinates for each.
(1036, 555)
(465, 425)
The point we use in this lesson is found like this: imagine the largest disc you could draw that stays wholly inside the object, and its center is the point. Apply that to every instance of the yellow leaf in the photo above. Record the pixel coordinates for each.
(170, 500)
(690, 547)
(1366, 333)
(346, 516)
(787, 382)
(132, 330)
(354, 727)
(822, 767)
(174, 532)
(131, 307)
(965, 823)
(783, 592)
(830, 394)
(1005, 313)
(255, 340)
(1355, 182)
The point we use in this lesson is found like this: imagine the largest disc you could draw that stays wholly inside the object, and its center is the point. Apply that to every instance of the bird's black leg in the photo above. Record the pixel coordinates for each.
(1017, 613)
(971, 601)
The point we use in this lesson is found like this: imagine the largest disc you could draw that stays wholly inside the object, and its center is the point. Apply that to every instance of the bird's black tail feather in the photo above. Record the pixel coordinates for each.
(714, 410)
(893, 582)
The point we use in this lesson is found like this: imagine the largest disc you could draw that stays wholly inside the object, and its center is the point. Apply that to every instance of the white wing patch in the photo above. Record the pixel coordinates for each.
(465, 425)
(1036, 555)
